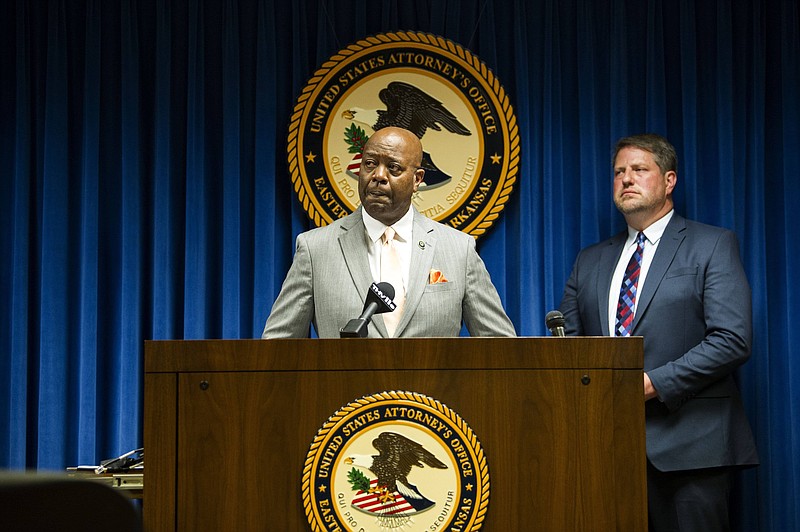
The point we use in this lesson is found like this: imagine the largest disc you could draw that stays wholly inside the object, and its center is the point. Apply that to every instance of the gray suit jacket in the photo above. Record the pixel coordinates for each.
(329, 278)
(694, 313)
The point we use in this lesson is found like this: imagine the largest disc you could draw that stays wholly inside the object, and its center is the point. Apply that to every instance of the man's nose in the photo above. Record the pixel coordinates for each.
(381, 173)
(627, 176)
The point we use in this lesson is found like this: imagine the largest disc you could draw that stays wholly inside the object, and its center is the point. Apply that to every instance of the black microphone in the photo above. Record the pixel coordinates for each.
(379, 300)
(555, 322)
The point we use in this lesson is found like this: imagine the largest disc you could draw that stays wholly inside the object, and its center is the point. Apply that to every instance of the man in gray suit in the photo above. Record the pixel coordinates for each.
(440, 279)
(686, 293)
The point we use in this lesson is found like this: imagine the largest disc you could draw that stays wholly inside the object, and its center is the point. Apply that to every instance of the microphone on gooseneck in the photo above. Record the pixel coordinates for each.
(555, 323)
(379, 300)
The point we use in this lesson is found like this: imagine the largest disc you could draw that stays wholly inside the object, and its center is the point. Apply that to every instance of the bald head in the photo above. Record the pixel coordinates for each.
(401, 138)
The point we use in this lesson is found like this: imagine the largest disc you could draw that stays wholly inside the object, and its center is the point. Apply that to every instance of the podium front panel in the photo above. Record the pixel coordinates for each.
(560, 420)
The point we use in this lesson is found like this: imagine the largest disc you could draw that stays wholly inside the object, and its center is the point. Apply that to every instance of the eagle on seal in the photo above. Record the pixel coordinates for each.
(415, 110)
(397, 455)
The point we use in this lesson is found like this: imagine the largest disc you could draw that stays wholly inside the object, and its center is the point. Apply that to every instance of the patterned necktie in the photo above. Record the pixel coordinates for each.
(628, 290)
(391, 272)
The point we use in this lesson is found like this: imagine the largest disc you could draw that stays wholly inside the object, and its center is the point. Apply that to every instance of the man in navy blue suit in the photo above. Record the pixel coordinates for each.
(686, 293)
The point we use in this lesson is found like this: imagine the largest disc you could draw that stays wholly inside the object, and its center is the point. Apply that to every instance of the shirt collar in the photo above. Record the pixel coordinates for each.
(403, 227)
(654, 231)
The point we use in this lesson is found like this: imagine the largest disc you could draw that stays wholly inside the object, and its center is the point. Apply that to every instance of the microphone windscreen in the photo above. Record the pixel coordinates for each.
(554, 319)
(387, 289)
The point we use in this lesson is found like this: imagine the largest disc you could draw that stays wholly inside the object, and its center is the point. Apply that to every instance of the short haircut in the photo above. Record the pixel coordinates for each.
(663, 152)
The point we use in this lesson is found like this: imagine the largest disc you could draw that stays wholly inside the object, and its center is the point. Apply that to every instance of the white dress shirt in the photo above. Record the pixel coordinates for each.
(652, 235)
(404, 228)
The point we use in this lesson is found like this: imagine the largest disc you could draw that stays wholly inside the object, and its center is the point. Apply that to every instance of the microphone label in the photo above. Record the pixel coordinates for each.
(387, 301)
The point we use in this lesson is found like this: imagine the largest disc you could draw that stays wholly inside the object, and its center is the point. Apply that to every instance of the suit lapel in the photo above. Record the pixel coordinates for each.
(423, 246)
(671, 240)
(353, 242)
(609, 257)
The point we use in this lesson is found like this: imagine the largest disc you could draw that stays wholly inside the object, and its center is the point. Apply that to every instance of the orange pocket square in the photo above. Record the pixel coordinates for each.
(436, 276)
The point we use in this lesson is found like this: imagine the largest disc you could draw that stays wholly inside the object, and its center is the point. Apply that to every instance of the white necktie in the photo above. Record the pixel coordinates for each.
(392, 273)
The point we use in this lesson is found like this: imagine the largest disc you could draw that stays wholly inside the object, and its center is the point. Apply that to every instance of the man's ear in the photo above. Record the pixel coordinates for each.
(419, 176)
(672, 180)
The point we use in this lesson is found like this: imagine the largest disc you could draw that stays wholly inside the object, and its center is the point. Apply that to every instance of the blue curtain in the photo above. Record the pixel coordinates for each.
(145, 193)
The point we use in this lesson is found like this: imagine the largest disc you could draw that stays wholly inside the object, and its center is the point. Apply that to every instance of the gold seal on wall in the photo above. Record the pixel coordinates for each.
(430, 85)
(395, 461)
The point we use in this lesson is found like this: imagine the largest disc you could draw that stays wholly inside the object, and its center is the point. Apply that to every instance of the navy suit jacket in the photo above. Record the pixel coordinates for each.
(695, 315)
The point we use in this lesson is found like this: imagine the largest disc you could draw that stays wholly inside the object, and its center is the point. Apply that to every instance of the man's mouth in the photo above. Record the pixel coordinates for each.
(377, 193)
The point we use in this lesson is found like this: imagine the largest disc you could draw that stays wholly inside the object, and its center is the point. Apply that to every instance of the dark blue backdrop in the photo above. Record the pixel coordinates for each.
(145, 191)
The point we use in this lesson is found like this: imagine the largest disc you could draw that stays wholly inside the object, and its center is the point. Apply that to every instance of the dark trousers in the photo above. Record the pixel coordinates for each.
(688, 501)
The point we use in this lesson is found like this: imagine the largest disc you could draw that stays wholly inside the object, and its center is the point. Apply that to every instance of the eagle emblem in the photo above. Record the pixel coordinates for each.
(392, 461)
(410, 108)
(390, 493)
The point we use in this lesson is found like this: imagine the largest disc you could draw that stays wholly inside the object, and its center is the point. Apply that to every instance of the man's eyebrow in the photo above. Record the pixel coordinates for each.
(388, 157)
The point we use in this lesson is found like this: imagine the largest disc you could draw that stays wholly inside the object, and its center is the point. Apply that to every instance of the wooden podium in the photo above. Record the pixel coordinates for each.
(228, 424)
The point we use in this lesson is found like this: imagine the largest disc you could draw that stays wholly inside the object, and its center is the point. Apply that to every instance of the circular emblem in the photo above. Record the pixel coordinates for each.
(428, 85)
(395, 461)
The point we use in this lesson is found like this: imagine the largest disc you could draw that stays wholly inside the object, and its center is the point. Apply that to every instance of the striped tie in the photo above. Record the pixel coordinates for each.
(627, 292)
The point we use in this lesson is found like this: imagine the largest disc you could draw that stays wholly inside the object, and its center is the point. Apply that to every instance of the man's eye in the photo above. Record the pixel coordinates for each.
(368, 163)
(395, 168)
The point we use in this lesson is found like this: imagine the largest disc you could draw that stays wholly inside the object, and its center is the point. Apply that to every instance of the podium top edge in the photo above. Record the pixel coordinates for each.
(533, 352)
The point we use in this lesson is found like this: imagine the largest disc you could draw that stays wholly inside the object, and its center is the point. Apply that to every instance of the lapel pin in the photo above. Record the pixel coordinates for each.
(421, 244)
